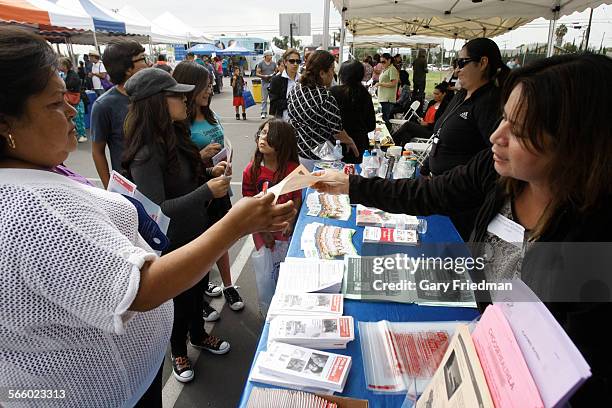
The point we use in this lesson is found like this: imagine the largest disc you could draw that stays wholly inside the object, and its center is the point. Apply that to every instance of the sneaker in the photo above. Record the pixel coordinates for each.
(213, 290)
(209, 313)
(237, 116)
(81, 139)
(243, 116)
(211, 343)
(181, 368)
(233, 298)
(263, 116)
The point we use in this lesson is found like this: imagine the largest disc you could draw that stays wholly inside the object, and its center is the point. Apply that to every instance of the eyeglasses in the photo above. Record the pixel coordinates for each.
(294, 61)
(145, 59)
(462, 62)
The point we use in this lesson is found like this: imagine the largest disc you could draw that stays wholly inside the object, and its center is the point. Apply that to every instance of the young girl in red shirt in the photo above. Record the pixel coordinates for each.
(275, 157)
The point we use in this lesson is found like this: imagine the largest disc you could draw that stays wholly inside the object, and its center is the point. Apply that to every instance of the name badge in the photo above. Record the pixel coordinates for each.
(508, 230)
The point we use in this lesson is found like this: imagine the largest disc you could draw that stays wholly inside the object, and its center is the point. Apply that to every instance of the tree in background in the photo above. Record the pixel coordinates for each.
(283, 42)
(560, 33)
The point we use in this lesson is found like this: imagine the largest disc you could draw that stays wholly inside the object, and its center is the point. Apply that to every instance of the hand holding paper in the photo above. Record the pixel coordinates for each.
(296, 180)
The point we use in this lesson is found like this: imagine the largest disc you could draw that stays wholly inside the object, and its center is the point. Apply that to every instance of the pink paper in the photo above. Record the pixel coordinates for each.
(510, 382)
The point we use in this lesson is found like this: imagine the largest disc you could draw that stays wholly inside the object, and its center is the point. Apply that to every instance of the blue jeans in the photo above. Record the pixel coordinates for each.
(386, 113)
(264, 97)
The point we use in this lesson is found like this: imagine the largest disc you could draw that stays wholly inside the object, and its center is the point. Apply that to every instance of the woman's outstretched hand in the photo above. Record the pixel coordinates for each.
(258, 214)
(332, 182)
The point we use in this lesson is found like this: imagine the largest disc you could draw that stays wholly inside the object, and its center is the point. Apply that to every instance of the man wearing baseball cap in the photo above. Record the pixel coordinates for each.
(265, 70)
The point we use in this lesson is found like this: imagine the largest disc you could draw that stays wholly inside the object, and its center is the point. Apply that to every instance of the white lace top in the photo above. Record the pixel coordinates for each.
(70, 259)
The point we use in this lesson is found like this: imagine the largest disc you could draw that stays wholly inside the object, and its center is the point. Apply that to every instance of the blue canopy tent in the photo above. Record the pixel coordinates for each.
(205, 49)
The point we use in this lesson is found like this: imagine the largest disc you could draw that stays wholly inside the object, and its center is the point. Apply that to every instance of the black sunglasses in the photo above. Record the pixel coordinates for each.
(462, 62)
(294, 61)
(146, 59)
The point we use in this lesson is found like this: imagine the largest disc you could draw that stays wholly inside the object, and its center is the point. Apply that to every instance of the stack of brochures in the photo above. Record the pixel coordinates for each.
(392, 236)
(275, 398)
(517, 356)
(306, 304)
(337, 206)
(373, 217)
(301, 368)
(321, 241)
(310, 275)
(318, 332)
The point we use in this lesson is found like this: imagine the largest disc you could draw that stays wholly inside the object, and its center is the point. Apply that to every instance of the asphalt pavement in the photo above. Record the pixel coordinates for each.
(219, 380)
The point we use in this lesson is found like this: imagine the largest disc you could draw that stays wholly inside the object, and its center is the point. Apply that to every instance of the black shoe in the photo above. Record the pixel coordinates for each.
(181, 368)
(237, 116)
(233, 298)
(209, 313)
(211, 343)
(243, 116)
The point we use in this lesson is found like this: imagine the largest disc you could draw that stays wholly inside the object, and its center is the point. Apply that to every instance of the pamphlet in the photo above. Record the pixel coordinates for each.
(296, 180)
(275, 398)
(373, 217)
(309, 275)
(318, 332)
(392, 236)
(305, 304)
(336, 206)
(326, 241)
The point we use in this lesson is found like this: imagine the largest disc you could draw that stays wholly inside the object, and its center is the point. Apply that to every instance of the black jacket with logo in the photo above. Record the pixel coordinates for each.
(570, 263)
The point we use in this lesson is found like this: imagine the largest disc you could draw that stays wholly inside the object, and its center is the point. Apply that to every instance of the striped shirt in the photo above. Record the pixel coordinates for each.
(315, 115)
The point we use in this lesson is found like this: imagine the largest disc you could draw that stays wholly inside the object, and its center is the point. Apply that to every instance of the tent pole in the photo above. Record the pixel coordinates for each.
(342, 34)
(326, 24)
(96, 40)
(150, 45)
(588, 32)
(551, 30)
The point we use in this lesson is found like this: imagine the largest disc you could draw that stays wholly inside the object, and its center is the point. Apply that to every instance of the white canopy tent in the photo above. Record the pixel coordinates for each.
(452, 18)
(395, 41)
(159, 35)
(189, 34)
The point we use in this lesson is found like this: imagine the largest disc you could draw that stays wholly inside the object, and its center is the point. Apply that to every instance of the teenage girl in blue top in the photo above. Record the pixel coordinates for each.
(207, 135)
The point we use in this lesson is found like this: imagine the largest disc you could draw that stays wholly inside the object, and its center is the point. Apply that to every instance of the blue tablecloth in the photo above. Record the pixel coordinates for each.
(440, 230)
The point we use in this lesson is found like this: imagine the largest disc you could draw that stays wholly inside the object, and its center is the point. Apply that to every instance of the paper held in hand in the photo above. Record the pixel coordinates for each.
(296, 180)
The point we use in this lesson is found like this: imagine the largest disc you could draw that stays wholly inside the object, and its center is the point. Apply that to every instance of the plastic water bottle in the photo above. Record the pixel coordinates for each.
(338, 151)
(401, 170)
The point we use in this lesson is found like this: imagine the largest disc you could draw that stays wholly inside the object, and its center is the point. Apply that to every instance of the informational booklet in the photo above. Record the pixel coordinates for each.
(326, 241)
(318, 332)
(257, 375)
(391, 236)
(373, 217)
(309, 275)
(402, 283)
(119, 184)
(296, 180)
(275, 398)
(337, 206)
(557, 366)
(459, 381)
(307, 367)
(399, 356)
(510, 382)
(306, 304)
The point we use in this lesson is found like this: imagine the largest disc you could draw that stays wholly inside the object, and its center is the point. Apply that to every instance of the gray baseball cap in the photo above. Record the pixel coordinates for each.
(151, 81)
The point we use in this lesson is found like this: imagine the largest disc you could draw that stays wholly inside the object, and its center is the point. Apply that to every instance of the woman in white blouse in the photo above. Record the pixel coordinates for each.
(85, 314)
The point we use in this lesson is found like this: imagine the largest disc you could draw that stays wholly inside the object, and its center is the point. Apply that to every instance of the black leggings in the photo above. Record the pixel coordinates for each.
(409, 131)
(188, 318)
(152, 398)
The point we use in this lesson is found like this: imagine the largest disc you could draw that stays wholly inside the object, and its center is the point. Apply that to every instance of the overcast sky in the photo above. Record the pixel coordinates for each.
(260, 18)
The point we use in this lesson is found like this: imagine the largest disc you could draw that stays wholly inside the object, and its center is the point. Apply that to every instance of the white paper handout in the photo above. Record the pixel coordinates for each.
(318, 332)
(303, 304)
(309, 275)
(296, 180)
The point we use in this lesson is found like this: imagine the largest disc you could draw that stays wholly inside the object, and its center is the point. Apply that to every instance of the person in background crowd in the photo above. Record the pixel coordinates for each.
(88, 65)
(98, 72)
(91, 295)
(190, 56)
(471, 117)
(211, 72)
(281, 85)
(302, 68)
(280, 68)
(275, 157)
(525, 178)
(404, 99)
(208, 135)
(514, 63)
(218, 74)
(356, 108)
(377, 68)
(163, 64)
(238, 84)
(453, 78)
(198, 59)
(314, 112)
(397, 62)
(424, 128)
(336, 69)
(165, 165)
(265, 70)
(82, 73)
(419, 77)
(225, 62)
(368, 70)
(123, 59)
(387, 87)
(73, 97)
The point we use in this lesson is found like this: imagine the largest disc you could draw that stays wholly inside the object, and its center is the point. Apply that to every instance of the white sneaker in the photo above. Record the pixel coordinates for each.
(209, 313)
(213, 290)
(81, 139)
(263, 116)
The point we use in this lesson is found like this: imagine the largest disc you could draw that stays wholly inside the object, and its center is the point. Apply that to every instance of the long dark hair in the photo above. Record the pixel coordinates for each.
(148, 123)
(27, 62)
(485, 47)
(281, 136)
(319, 60)
(570, 121)
(192, 73)
(351, 73)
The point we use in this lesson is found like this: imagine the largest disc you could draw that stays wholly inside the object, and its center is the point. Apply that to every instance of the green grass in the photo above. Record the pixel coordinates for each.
(433, 78)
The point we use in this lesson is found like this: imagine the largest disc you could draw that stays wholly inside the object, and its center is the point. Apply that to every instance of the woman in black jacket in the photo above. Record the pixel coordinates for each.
(281, 84)
(548, 176)
(356, 108)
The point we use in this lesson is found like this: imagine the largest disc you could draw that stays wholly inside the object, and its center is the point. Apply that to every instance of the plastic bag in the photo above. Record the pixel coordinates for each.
(266, 264)
(325, 151)
(248, 98)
